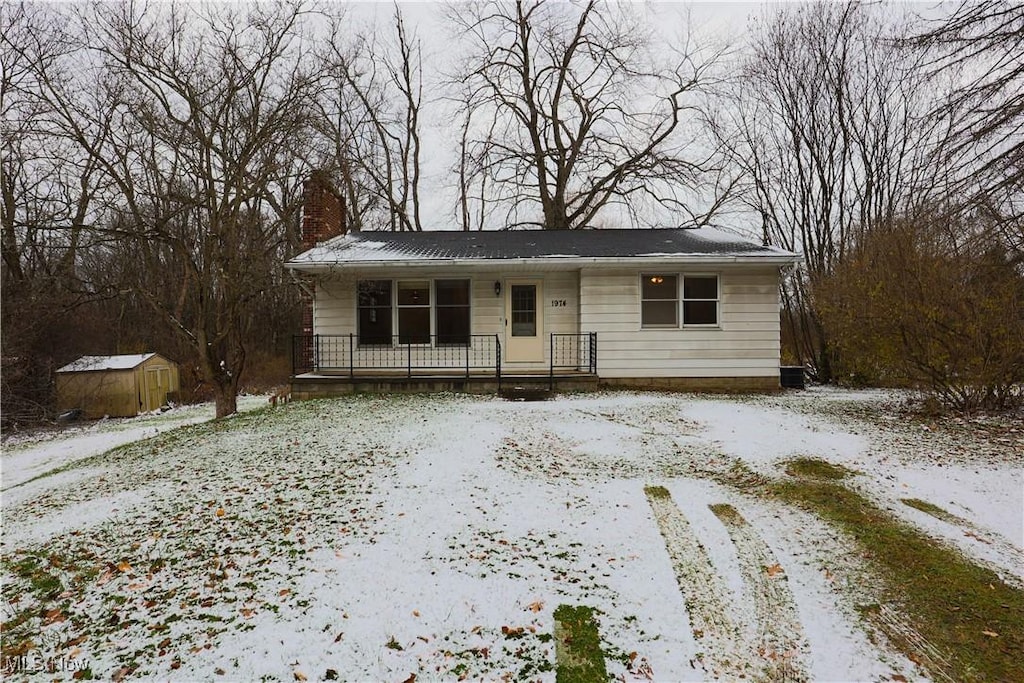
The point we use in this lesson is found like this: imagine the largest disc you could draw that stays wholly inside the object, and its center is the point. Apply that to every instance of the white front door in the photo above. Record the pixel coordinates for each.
(524, 322)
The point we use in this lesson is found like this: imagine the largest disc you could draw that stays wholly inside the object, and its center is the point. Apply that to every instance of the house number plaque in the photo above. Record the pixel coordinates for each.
(559, 303)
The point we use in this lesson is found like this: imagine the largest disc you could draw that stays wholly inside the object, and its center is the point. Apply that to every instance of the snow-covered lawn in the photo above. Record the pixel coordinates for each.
(30, 454)
(372, 538)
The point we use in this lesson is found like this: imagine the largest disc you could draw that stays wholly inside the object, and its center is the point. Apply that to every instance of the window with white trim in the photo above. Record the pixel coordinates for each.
(451, 313)
(421, 310)
(374, 315)
(700, 300)
(659, 300)
(414, 311)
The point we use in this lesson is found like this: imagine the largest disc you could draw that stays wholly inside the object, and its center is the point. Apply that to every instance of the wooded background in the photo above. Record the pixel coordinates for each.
(153, 159)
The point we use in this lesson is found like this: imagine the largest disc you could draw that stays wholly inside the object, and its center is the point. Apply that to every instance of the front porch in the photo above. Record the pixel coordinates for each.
(325, 365)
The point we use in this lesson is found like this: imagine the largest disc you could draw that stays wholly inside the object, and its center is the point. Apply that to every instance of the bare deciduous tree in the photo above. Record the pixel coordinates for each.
(980, 45)
(211, 101)
(831, 133)
(586, 114)
(372, 115)
(48, 191)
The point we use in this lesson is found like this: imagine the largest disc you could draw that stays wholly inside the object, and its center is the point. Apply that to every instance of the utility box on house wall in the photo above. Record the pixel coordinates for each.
(116, 386)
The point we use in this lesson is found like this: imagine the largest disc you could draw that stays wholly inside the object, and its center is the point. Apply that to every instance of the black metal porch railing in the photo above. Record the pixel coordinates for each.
(343, 354)
(572, 353)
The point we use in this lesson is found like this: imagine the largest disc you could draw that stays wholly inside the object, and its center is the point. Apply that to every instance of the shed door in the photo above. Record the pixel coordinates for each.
(524, 322)
(158, 382)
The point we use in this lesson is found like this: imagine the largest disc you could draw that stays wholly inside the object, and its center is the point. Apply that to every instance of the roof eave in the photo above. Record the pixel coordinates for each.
(703, 259)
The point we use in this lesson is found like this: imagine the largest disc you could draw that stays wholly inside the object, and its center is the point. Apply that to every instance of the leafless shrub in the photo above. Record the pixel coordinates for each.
(935, 306)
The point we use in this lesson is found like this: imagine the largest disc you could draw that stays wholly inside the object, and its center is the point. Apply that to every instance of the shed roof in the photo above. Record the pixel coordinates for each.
(391, 248)
(122, 362)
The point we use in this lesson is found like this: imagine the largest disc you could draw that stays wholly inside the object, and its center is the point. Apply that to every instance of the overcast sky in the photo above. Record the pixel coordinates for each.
(713, 24)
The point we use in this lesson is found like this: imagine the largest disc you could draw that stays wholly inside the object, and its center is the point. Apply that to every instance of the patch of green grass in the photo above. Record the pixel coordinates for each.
(742, 477)
(657, 492)
(816, 469)
(929, 508)
(727, 513)
(965, 611)
(578, 652)
(33, 568)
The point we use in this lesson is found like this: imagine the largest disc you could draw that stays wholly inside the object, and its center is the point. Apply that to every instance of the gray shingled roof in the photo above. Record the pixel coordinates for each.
(378, 247)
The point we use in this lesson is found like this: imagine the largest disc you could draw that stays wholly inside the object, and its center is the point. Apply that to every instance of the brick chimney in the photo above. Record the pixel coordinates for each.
(323, 211)
(323, 217)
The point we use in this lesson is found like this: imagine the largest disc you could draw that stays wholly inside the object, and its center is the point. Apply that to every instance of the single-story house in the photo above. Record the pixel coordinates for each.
(657, 308)
(116, 386)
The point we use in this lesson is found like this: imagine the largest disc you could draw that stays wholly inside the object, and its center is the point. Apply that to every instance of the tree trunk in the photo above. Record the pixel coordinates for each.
(225, 399)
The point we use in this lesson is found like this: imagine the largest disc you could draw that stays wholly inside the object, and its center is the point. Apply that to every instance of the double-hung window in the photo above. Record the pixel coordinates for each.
(451, 314)
(700, 300)
(414, 311)
(663, 305)
(374, 303)
(659, 301)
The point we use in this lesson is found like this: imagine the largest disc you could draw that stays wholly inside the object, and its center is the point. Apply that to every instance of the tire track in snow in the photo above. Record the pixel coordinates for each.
(705, 594)
(896, 627)
(1012, 555)
(781, 642)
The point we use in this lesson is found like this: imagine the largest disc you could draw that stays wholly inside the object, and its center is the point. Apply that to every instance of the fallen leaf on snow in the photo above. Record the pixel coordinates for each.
(971, 534)
(299, 676)
(773, 569)
(220, 512)
(536, 606)
(123, 566)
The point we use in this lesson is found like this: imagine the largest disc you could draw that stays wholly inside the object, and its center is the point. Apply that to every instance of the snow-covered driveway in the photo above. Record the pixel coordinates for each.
(373, 538)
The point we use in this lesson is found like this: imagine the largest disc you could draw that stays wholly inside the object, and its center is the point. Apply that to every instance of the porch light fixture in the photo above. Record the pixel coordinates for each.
(497, 288)
(657, 279)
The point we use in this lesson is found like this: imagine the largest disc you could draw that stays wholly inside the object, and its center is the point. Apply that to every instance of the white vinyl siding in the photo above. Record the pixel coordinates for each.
(745, 343)
(334, 310)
